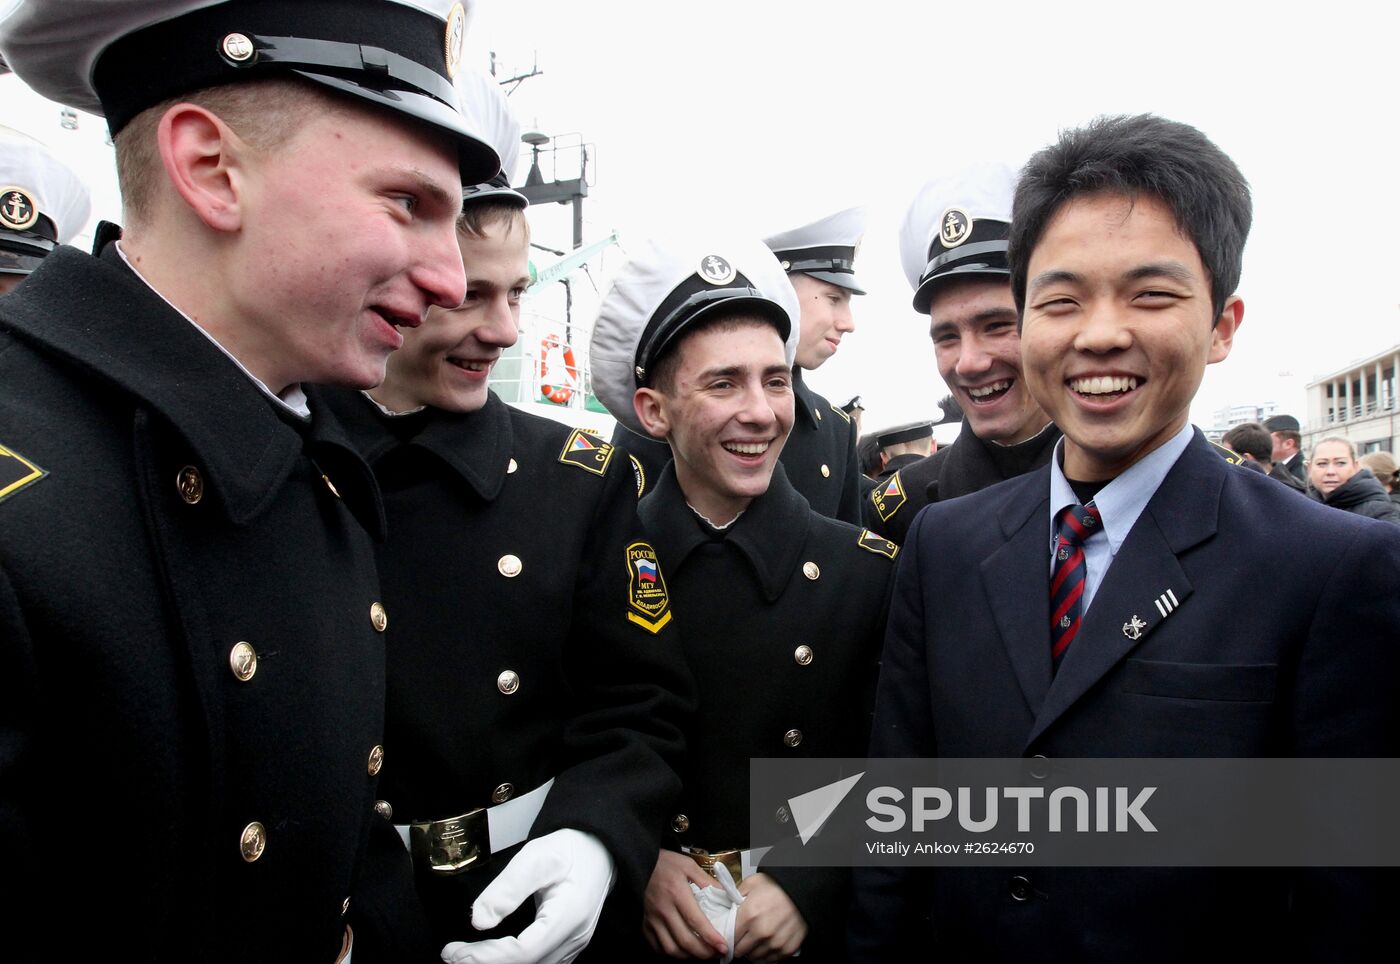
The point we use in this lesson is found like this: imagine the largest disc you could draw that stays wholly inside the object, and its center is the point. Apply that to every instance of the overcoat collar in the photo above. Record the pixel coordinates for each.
(475, 446)
(100, 317)
(771, 533)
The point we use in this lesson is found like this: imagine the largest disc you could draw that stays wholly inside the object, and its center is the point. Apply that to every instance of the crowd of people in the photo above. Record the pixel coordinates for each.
(361, 663)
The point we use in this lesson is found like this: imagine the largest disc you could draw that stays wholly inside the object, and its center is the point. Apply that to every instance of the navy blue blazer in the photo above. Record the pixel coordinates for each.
(1286, 642)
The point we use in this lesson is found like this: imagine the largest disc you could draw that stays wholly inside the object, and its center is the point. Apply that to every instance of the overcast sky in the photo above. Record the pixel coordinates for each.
(759, 115)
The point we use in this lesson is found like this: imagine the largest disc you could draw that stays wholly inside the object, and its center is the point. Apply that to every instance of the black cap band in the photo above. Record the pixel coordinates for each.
(829, 257)
(689, 301)
(386, 46)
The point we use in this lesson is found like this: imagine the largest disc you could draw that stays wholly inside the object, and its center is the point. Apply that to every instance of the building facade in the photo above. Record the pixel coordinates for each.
(1358, 402)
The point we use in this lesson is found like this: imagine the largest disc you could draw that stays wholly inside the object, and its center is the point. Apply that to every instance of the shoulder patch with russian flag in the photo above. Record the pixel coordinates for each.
(887, 497)
(587, 451)
(877, 544)
(648, 604)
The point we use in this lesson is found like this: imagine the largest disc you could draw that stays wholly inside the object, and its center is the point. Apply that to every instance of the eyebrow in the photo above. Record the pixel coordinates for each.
(989, 314)
(1173, 270)
(731, 371)
(429, 187)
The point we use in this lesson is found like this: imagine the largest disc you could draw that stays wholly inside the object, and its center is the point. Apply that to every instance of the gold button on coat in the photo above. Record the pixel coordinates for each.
(818, 413)
(190, 485)
(253, 841)
(330, 485)
(384, 809)
(680, 823)
(243, 660)
(792, 737)
(509, 566)
(379, 617)
(511, 468)
(508, 682)
(376, 760)
(826, 472)
(802, 655)
(811, 570)
(502, 793)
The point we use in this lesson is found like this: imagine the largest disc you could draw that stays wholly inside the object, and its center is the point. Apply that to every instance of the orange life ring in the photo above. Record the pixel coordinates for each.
(558, 394)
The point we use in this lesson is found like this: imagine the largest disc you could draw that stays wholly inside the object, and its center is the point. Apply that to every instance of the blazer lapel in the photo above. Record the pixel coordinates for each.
(1145, 585)
(1017, 581)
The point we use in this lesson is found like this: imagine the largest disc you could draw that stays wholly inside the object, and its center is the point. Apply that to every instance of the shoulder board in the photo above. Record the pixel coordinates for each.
(586, 451)
(648, 605)
(887, 497)
(16, 472)
(641, 475)
(879, 545)
(838, 411)
(1232, 457)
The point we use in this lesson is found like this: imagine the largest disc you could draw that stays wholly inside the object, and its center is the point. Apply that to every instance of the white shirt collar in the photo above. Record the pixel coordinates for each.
(1122, 500)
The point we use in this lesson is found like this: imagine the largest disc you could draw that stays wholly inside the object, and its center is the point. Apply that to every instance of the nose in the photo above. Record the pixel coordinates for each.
(1102, 330)
(438, 271)
(973, 357)
(845, 321)
(757, 409)
(502, 322)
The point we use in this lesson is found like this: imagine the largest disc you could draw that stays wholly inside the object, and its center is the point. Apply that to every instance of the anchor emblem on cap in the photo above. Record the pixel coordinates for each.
(954, 227)
(17, 209)
(1133, 628)
(716, 270)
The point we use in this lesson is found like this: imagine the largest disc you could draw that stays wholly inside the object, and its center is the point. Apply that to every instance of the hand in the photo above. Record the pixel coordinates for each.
(672, 921)
(769, 927)
(570, 873)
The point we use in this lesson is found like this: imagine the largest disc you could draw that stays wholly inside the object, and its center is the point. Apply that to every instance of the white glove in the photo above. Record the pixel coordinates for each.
(721, 906)
(570, 873)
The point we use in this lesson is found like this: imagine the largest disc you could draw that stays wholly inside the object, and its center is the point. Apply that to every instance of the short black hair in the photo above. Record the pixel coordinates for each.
(1251, 438)
(663, 369)
(1137, 155)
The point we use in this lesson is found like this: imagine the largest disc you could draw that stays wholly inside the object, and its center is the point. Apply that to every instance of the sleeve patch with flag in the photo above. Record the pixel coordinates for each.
(648, 604)
(587, 451)
(16, 472)
(879, 545)
(888, 497)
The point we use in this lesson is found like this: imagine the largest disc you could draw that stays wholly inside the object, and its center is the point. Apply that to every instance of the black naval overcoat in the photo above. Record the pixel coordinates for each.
(784, 617)
(534, 648)
(191, 705)
(968, 465)
(819, 456)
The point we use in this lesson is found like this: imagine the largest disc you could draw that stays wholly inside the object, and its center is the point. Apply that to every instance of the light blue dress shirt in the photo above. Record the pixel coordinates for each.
(1120, 502)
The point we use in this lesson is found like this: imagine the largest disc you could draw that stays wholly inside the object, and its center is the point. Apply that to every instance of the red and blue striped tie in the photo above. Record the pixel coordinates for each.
(1076, 523)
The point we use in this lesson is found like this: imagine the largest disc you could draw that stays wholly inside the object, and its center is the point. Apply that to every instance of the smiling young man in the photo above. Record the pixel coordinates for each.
(783, 608)
(190, 619)
(820, 454)
(1126, 245)
(534, 721)
(953, 246)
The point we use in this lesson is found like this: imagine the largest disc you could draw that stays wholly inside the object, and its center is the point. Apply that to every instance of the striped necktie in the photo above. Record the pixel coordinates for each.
(1076, 523)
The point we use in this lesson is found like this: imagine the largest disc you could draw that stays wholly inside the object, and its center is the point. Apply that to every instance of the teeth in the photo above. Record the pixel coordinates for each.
(746, 448)
(471, 366)
(1103, 384)
(986, 390)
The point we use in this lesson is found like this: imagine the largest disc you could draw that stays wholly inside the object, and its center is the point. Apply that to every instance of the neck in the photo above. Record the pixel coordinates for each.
(187, 270)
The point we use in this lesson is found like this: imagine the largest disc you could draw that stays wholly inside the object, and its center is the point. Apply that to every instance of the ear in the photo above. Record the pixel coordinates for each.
(203, 159)
(1222, 336)
(650, 406)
